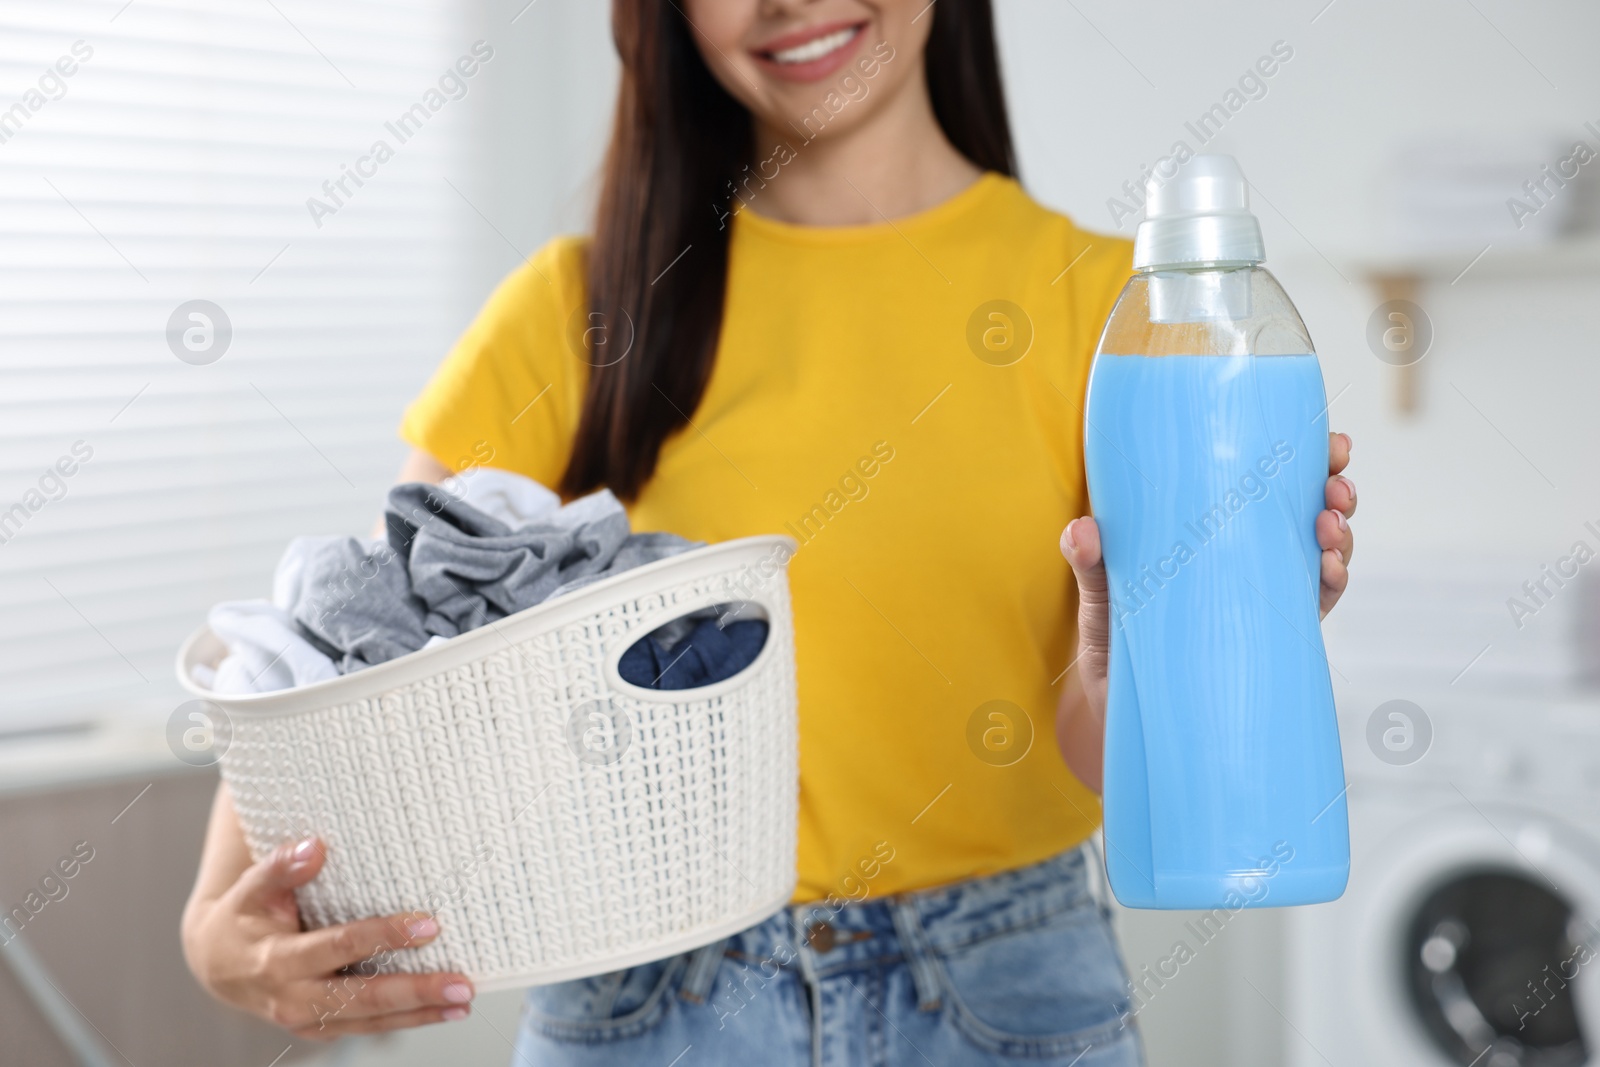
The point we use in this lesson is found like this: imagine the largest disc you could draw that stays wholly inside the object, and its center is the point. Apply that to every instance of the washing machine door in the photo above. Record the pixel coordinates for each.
(1480, 941)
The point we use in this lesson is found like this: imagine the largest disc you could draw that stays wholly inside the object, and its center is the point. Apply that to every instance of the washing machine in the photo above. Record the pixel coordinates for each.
(1468, 935)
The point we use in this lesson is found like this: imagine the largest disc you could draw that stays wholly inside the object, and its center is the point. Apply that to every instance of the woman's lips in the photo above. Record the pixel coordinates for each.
(812, 54)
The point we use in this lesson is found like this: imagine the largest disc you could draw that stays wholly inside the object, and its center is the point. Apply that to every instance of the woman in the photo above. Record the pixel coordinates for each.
(786, 321)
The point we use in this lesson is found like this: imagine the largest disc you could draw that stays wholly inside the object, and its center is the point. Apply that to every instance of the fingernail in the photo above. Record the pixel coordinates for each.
(1344, 523)
(302, 853)
(420, 928)
(458, 993)
(1069, 537)
(1348, 444)
(452, 1014)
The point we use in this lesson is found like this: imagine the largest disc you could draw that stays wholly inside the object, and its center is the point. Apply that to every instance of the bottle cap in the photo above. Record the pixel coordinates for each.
(1198, 217)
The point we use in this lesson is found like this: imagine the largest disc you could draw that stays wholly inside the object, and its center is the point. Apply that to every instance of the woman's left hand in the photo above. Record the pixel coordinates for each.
(1081, 721)
(1338, 541)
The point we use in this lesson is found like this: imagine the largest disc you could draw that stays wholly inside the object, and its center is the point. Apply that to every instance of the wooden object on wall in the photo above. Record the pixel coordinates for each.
(1401, 286)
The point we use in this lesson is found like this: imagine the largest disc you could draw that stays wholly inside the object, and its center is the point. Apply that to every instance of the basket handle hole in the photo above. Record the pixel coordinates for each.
(698, 648)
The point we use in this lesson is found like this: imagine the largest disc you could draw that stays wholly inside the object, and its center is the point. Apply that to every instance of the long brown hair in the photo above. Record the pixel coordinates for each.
(658, 264)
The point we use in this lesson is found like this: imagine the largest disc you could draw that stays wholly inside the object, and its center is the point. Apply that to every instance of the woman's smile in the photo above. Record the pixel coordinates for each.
(810, 54)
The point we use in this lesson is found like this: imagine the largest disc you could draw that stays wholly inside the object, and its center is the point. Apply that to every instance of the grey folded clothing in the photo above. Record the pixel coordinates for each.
(470, 568)
(352, 599)
(447, 567)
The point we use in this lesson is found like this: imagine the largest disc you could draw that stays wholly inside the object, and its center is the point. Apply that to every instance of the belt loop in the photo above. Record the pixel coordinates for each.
(701, 971)
(919, 956)
(1096, 880)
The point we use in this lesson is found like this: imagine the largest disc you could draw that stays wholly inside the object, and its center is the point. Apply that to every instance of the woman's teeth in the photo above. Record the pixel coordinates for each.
(817, 48)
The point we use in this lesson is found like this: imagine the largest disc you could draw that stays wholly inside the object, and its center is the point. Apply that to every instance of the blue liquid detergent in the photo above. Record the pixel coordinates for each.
(1224, 785)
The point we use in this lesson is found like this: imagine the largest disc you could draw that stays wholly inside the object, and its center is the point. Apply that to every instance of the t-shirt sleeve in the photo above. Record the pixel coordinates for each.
(509, 393)
(1101, 268)
(1106, 266)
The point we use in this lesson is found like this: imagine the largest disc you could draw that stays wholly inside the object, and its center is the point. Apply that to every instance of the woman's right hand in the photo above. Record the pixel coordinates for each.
(245, 945)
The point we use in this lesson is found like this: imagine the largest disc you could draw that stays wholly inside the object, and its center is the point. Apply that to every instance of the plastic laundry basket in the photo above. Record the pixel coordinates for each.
(559, 821)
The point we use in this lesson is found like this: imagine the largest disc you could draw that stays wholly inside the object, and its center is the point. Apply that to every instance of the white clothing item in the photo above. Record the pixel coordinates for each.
(288, 576)
(511, 498)
(265, 651)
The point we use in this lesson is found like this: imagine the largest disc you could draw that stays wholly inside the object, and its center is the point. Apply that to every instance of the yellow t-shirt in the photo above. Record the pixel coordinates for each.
(905, 399)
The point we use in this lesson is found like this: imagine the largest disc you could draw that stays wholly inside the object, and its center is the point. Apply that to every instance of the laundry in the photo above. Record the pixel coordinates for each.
(469, 569)
(353, 597)
(511, 498)
(265, 650)
(709, 653)
(480, 546)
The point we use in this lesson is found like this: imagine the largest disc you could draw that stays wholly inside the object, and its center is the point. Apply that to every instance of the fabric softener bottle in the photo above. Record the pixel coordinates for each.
(1206, 444)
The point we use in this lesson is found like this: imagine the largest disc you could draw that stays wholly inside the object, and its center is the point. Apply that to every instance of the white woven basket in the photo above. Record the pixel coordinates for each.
(559, 821)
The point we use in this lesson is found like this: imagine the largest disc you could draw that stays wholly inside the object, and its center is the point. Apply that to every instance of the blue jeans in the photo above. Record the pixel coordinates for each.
(1017, 966)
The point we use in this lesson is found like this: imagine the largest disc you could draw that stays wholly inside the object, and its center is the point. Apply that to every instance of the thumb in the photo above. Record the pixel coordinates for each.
(1080, 544)
(289, 866)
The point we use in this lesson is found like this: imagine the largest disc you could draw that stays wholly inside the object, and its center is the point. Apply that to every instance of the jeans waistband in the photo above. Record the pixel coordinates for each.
(822, 938)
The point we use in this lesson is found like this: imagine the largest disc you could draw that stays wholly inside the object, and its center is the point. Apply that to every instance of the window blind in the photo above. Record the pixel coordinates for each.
(143, 476)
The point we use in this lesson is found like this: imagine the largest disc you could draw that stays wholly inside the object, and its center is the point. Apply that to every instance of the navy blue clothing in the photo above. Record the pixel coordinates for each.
(708, 654)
